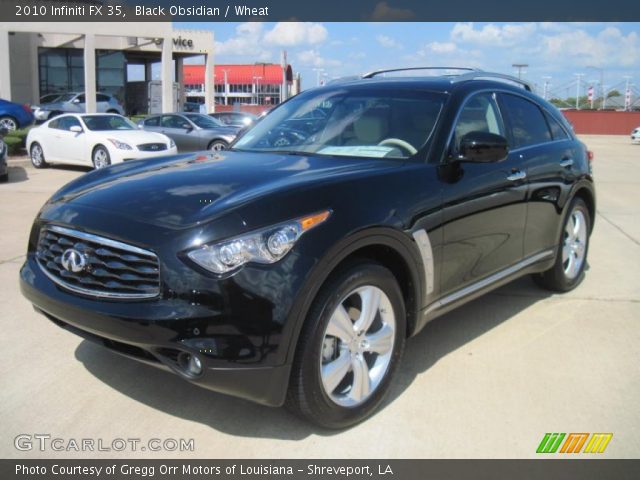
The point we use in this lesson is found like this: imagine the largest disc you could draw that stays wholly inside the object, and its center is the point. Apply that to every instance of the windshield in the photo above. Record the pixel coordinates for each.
(203, 121)
(107, 122)
(371, 123)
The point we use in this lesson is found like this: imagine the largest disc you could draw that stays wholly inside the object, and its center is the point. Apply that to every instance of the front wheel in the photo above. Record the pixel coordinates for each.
(101, 157)
(9, 123)
(571, 259)
(349, 348)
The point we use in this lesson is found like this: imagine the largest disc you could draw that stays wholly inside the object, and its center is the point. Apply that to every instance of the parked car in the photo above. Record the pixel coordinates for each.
(235, 119)
(49, 98)
(635, 135)
(14, 115)
(191, 131)
(75, 102)
(4, 153)
(191, 107)
(292, 267)
(95, 139)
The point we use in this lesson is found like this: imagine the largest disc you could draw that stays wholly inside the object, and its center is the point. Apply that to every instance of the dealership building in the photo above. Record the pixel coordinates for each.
(41, 58)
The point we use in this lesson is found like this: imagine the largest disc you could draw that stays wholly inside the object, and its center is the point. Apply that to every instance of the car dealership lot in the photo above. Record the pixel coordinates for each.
(487, 380)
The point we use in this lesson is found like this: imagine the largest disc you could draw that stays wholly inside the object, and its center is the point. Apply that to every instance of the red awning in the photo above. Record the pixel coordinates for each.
(236, 74)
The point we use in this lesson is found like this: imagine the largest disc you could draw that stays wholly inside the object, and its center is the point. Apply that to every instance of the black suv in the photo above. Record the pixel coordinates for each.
(292, 267)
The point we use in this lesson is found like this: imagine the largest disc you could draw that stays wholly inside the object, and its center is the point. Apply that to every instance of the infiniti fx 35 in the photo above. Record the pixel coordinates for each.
(291, 268)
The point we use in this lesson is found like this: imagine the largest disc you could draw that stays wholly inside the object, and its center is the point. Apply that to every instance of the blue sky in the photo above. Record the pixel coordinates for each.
(555, 50)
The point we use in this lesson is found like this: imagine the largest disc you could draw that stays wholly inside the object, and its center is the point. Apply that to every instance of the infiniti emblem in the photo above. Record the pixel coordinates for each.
(73, 260)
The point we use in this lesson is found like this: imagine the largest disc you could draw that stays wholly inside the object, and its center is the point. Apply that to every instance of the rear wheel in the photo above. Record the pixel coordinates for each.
(349, 348)
(101, 157)
(571, 260)
(218, 145)
(37, 156)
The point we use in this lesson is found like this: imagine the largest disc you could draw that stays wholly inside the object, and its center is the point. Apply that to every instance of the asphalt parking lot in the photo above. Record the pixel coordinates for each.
(485, 381)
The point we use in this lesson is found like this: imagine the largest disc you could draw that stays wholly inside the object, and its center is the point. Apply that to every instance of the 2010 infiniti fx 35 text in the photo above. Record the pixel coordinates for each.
(292, 267)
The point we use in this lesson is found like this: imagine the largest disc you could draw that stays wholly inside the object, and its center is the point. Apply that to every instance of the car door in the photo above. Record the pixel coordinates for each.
(68, 146)
(78, 104)
(484, 204)
(549, 153)
(181, 131)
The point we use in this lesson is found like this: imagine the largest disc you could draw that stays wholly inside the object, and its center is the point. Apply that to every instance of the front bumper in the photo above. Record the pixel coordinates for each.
(158, 332)
(118, 155)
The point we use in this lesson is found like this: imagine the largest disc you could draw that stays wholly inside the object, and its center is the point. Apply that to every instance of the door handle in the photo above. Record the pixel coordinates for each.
(566, 162)
(517, 175)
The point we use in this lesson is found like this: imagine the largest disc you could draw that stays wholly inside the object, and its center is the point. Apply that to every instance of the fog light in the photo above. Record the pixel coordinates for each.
(191, 364)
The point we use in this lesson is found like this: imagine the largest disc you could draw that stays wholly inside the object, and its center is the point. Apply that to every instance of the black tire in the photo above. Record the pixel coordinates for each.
(100, 157)
(306, 396)
(556, 279)
(9, 123)
(37, 159)
(4, 178)
(218, 145)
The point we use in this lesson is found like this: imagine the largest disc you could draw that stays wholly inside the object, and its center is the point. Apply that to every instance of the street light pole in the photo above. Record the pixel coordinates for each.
(520, 66)
(318, 72)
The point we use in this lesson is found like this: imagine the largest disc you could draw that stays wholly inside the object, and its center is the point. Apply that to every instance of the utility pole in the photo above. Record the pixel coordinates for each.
(579, 75)
(627, 93)
(520, 66)
(601, 70)
(226, 88)
(546, 86)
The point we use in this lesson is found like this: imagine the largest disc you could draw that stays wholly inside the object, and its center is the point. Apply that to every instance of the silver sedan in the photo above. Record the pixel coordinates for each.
(191, 131)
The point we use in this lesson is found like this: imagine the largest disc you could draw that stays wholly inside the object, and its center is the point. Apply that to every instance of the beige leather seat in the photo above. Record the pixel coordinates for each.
(369, 129)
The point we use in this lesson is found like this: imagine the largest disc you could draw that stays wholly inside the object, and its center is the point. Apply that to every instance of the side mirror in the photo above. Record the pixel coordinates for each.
(76, 129)
(187, 127)
(483, 147)
(75, 100)
(3, 132)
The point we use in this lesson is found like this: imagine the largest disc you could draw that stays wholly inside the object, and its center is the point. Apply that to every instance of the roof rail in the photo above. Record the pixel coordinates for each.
(408, 69)
(481, 75)
(468, 74)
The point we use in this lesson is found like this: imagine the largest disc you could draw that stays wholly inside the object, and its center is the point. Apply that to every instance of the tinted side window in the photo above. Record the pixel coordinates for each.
(173, 121)
(65, 123)
(557, 131)
(479, 114)
(527, 123)
(81, 98)
(152, 122)
(54, 123)
(102, 98)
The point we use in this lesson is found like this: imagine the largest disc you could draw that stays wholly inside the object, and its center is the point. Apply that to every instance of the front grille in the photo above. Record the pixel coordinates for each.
(152, 147)
(104, 267)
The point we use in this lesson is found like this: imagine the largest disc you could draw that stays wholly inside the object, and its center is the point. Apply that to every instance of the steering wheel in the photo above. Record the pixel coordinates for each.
(399, 143)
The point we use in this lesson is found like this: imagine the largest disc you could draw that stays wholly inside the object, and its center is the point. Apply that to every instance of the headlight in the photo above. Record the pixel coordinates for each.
(265, 246)
(120, 145)
(171, 143)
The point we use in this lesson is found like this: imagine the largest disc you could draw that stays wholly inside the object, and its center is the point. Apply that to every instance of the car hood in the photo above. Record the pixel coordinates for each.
(187, 190)
(133, 137)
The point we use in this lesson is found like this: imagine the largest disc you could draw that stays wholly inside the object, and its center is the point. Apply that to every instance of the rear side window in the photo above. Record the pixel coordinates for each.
(102, 98)
(557, 131)
(152, 122)
(526, 121)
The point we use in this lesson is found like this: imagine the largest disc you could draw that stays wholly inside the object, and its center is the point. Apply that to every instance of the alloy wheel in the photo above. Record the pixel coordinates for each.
(575, 243)
(8, 123)
(100, 158)
(357, 346)
(36, 155)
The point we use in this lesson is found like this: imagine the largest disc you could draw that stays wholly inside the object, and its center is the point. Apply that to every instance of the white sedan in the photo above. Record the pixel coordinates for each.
(94, 139)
